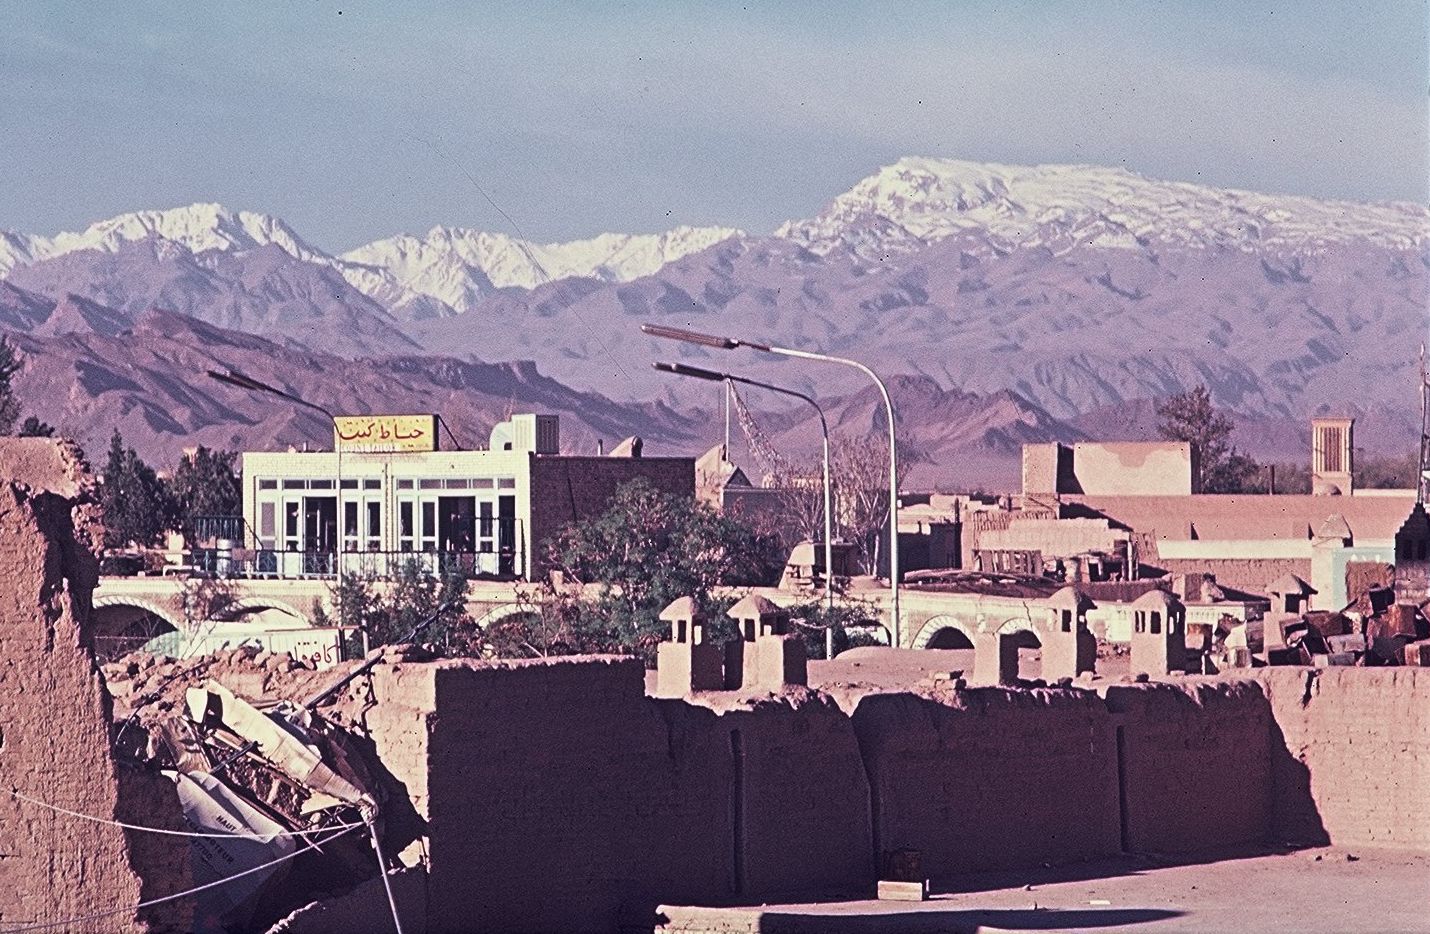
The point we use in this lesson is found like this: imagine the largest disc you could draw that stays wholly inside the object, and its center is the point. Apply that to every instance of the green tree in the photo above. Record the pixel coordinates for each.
(645, 550)
(136, 509)
(388, 610)
(1388, 472)
(10, 364)
(851, 619)
(32, 427)
(204, 484)
(1190, 416)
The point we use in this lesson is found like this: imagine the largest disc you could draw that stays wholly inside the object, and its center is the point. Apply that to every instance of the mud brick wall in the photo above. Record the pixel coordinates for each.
(55, 722)
(1249, 574)
(557, 795)
(991, 777)
(1196, 763)
(1353, 763)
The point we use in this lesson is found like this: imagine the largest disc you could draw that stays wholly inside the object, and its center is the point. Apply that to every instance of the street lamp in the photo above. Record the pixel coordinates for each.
(730, 343)
(680, 369)
(248, 383)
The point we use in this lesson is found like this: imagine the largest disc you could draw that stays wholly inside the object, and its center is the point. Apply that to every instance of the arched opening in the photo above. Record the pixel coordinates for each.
(121, 628)
(1020, 656)
(949, 638)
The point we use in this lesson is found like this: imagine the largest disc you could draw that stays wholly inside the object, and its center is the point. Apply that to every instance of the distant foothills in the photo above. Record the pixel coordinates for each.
(1007, 304)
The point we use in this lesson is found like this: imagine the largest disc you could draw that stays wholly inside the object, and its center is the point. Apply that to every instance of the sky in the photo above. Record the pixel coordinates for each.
(358, 120)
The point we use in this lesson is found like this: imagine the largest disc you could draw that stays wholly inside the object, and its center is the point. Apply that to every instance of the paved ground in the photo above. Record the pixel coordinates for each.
(1306, 892)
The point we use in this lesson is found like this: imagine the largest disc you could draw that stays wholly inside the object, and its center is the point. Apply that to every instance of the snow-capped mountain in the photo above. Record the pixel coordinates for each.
(460, 267)
(1078, 288)
(197, 228)
(917, 201)
(448, 271)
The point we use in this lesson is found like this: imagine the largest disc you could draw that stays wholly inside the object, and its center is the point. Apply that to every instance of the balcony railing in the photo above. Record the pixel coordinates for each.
(383, 565)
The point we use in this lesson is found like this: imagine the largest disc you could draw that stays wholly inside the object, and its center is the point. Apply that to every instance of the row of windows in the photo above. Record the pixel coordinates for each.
(470, 483)
(1144, 621)
(464, 524)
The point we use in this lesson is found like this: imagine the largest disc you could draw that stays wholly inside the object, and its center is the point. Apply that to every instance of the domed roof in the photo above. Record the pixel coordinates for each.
(753, 606)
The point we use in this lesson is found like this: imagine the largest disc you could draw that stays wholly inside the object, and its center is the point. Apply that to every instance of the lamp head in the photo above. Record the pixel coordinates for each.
(680, 369)
(691, 337)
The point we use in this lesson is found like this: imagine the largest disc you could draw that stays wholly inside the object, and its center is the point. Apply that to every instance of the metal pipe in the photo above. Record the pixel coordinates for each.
(730, 343)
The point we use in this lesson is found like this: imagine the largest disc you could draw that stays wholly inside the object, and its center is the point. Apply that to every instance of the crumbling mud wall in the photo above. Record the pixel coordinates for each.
(1195, 763)
(991, 777)
(1352, 762)
(55, 722)
(557, 796)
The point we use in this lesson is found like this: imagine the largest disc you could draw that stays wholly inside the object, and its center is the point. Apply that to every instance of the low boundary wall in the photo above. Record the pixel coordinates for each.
(558, 796)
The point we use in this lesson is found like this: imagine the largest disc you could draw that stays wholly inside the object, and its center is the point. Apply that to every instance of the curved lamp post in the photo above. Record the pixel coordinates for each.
(730, 343)
(680, 369)
(245, 382)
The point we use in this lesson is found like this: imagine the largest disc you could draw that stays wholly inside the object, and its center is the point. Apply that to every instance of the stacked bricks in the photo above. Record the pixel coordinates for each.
(1353, 755)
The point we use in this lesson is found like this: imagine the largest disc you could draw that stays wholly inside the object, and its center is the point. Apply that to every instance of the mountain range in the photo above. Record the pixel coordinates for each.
(1019, 303)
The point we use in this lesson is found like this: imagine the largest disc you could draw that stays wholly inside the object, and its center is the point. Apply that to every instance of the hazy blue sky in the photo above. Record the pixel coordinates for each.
(355, 120)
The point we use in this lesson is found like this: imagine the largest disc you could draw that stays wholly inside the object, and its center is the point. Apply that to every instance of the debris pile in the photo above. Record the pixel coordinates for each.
(1369, 633)
(281, 796)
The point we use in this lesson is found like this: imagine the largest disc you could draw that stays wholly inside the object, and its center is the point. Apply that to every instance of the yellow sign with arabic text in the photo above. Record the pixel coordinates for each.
(385, 433)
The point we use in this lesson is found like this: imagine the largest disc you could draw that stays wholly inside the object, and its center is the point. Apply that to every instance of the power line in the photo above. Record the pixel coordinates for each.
(302, 834)
(69, 923)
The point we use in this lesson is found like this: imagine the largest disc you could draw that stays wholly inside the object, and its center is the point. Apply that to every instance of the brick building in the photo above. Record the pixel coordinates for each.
(484, 513)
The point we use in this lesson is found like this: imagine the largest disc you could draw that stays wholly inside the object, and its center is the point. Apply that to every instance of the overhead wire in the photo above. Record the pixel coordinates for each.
(70, 923)
(301, 834)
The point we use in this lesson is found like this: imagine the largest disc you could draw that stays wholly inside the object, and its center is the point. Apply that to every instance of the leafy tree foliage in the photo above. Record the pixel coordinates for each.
(647, 549)
(1190, 416)
(204, 484)
(136, 506)
(32, 427)
(10, 364)
(650, 547)
(1388, 473)
(851, 619)
(388, 611)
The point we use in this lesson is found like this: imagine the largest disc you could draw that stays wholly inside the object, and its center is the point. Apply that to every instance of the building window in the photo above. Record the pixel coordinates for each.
(372, 484)
(1139, 621)
(429, 484)
(1156, 623)
(506, 483)
(406, 540)
(350, 526)
(485, 527)
(291, 525)
(404, 484)
(429, 525)
(268, 484)
(1067, 620)
(267, 524)
(374, 525)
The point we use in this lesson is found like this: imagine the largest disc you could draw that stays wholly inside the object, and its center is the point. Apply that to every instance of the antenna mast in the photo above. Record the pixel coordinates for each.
(1422, 485)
